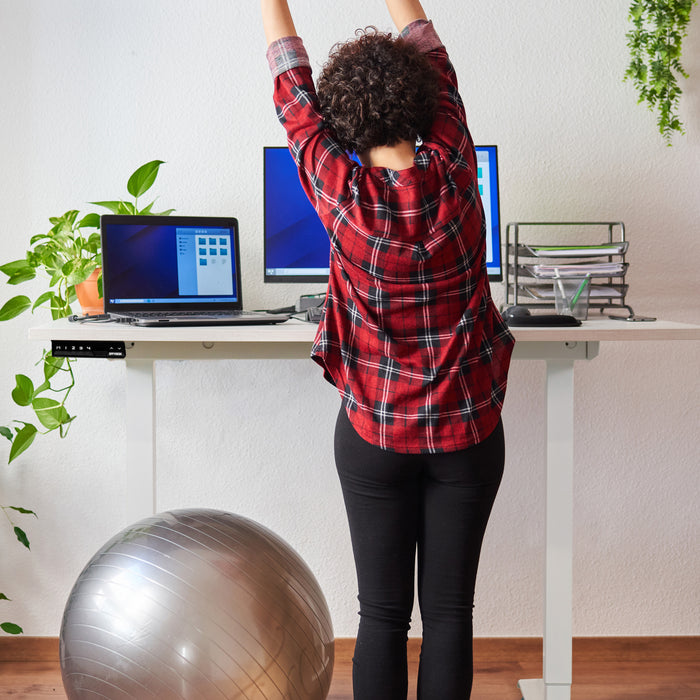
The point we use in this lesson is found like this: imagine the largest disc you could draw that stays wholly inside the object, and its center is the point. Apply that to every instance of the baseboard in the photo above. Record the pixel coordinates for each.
(634, 649)
(23, 648)
(486, 649)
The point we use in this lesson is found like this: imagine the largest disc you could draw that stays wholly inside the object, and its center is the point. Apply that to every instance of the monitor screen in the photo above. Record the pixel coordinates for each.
(297, 248)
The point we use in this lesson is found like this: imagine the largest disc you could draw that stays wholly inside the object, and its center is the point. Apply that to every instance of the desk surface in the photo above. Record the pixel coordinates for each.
(300, 332)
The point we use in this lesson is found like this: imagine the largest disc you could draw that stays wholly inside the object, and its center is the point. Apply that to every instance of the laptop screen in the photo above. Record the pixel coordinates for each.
(164, 263)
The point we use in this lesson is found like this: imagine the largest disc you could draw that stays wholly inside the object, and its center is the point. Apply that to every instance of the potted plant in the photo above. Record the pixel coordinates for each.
(69, 255)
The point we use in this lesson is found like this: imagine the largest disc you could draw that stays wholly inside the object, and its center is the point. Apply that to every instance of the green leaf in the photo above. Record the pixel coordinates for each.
(50, 412)
(42, 388)
(68, 219)
(23, 439)
(46, 296)
(19, 278)
(24, 511)
(68, 267)
(142, 178)
(90, 221)
(12, 268)
(21, 536)
(93, 243)
(637, 10)
(11, 628)
(23, 393)
(52, 365)
(60, 308)
(56, 277)
(114, 207)
(82, 269)
(14, 307)
(147, 211)
(18, 271)
(4, 597)
(6, 432)
(56, 313)
(37, 237)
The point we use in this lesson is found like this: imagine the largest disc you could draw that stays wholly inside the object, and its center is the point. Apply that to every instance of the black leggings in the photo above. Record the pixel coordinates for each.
(397, 504)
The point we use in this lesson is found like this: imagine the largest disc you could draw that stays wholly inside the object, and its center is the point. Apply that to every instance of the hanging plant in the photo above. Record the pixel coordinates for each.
(655, 50)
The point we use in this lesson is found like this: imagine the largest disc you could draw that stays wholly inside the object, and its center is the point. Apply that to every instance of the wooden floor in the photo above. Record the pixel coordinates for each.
(651, 668)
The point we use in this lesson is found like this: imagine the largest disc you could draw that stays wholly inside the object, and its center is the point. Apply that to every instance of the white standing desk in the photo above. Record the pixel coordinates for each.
(558, 347)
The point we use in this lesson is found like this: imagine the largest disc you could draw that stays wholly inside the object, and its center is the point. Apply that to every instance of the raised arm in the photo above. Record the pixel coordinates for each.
(277, 20)
(403, 12)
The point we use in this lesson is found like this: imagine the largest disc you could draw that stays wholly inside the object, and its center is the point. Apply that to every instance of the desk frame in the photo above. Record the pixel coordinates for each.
(558, 347)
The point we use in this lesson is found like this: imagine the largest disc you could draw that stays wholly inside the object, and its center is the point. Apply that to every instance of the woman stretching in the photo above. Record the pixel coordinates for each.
(410, 336)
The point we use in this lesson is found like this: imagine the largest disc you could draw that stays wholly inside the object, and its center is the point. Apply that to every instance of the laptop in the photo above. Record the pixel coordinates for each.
(174, 271)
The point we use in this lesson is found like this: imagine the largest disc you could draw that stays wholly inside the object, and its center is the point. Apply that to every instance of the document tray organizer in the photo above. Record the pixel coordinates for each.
(582, 247)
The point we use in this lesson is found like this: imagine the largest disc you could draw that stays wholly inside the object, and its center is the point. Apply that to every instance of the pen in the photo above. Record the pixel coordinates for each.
(579, 291)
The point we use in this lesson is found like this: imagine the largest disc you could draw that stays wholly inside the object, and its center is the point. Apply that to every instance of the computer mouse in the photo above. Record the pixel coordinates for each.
(513, 313)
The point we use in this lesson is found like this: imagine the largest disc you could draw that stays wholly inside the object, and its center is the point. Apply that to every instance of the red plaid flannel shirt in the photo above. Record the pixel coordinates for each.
(410, 335)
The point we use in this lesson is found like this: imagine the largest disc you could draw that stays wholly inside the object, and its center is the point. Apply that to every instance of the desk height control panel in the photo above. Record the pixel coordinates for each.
(88, 348)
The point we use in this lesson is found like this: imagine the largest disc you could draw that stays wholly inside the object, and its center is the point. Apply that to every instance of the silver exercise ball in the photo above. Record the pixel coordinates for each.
(196, 604)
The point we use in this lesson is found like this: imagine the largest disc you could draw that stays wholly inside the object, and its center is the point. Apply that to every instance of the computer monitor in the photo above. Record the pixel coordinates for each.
(297, 247)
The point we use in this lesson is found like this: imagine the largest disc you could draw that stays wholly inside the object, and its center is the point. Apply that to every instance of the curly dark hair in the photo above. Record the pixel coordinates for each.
(377, 90)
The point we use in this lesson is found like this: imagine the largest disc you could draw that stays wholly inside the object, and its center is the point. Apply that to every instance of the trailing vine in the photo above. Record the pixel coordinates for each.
(655, 50)
(21, 535)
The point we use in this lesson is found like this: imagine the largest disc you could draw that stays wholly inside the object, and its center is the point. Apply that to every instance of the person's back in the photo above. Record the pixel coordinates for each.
(408, 314)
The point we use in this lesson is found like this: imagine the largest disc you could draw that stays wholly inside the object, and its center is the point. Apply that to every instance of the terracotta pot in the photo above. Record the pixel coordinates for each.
(89, 299)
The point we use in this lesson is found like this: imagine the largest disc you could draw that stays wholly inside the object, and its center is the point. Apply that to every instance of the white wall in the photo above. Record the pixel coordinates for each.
(90, 90)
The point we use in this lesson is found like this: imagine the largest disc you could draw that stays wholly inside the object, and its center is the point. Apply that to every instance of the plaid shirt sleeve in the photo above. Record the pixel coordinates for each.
(410, 335)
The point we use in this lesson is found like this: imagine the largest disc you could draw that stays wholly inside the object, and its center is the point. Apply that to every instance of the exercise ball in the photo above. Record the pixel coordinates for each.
(196, 604)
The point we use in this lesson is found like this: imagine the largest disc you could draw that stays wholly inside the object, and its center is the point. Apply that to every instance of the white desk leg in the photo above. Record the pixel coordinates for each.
(556, 684)
(559, 526)
(140, 440)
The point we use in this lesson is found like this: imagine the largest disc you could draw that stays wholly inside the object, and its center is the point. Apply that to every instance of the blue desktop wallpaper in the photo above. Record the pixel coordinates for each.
(295, 238)
(141, 262)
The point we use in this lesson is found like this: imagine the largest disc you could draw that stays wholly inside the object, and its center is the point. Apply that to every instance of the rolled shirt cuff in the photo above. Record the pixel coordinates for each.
(286, 53)
(422, 34)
